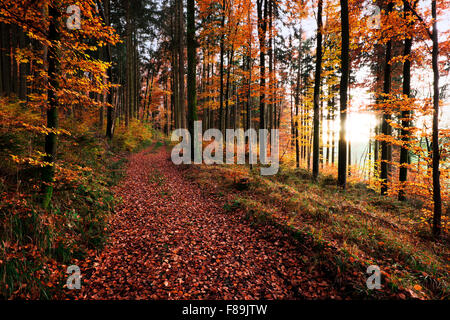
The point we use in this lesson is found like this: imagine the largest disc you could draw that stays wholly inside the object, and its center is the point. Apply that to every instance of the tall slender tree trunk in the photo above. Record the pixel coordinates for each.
(101, 113)
(137, 75)
(128, 102)
(109, 97)
(317, 81)
(222, 54)
(150, 94)
(191, 76)
(297, 101)
(6, 58)
(328, 144)
(385, 126)
(349, 144)
(14, 75)
(437, 211)
(406, 114)
(321, 117)
(181, 63)
(175, 78)
(146, 102)
(292, 115)
(167, 110)
(207, 91)
(342, 148)
(249, 93)
(297, 142)
(262, 29)
(271, 78)
(249, 89)
(48, 171)
(333, 133)
(302, 135)
(2, 71)
(227, 89)
(202, 89)
(22, 68)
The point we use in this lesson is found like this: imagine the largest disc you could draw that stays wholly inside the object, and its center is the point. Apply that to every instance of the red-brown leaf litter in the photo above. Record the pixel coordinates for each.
(171, 241)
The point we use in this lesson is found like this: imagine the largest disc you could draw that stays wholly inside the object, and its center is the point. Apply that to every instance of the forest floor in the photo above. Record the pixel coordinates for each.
(170, 241)
(175, 235)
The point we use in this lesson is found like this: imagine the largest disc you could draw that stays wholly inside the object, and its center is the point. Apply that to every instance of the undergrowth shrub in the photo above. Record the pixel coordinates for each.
(37, 245)
(131, 138)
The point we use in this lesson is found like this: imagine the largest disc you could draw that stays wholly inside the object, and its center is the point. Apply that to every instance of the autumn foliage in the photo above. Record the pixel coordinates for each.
(85, 83)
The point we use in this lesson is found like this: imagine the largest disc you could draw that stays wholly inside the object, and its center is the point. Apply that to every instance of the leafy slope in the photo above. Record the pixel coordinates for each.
(187, 233)
(171, 241)
(347, 231)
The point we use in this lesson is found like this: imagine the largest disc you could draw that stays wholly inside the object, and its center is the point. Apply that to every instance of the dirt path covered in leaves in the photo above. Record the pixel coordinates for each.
(171, 241)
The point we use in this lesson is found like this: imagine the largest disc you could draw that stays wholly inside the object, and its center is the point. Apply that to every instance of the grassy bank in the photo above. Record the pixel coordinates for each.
(37, 245)
(347, 231)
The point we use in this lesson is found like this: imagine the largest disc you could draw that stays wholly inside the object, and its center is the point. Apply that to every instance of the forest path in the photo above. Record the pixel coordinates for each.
(170, 241)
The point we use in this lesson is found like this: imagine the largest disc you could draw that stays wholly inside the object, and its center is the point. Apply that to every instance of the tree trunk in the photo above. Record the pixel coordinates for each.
(181, 63)
(271, 78)
(333, 128)
(436, 156)
(328, 144)
(385, 127)
(128, 65)
(406, 114)
(191, 76)
(14, 77)
(48, 171)
(175, 79)
(317, 81)
(227, 90)
(262, 28)
(342, 148)
(109, 97)
(1, 59)
(222, 54)
(249, 90)
(297, 101)
(6, 59)
(137, 75)
(349, 157)
(23, 68)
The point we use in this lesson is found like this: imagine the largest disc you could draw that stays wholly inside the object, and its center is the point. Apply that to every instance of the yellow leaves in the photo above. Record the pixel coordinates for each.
(44, 130)
(30, 161)
(74, 53)
(417, 287)
(21, 56)
(15, 158)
